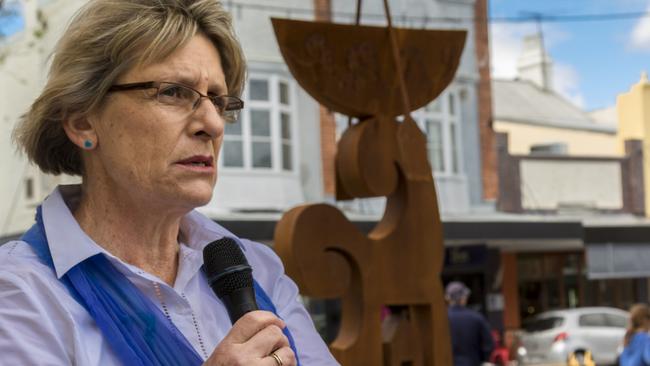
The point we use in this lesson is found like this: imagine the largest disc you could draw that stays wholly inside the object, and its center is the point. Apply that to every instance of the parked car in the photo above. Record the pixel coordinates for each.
(550, 337)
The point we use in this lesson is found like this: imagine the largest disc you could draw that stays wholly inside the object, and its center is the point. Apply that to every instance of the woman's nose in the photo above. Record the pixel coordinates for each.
(210, 121)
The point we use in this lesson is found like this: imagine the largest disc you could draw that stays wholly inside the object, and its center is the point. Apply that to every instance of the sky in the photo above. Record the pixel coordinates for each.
(9, 22)
(594, 61)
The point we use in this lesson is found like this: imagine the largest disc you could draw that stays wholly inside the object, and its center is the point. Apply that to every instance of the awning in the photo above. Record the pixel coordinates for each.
(617, 252)
(618, 260)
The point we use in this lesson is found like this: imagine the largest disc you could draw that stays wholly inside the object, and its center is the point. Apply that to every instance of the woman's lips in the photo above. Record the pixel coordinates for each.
(199, 163)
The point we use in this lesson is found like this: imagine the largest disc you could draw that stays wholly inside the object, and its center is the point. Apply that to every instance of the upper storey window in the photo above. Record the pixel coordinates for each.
(262, 139)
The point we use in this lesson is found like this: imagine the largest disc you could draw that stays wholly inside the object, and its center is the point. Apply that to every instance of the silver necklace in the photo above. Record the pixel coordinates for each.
(158, 292)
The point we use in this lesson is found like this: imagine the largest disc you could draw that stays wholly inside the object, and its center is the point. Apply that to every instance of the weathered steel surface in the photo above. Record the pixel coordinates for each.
(351, 70)
(398, 263)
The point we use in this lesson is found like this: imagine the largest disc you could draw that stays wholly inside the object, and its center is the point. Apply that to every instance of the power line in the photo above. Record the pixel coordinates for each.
(236, 7)
(572, 18)
(533, 18)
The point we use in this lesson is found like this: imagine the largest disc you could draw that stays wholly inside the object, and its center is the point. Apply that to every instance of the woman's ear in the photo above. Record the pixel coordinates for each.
(80, 131)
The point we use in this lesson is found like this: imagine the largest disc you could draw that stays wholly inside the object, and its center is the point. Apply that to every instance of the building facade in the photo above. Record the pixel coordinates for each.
(271, 160)
(23, 69)
(582, 175)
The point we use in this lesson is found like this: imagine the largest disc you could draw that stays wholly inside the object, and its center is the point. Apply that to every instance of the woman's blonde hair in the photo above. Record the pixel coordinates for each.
(105, 39)
(639, 321)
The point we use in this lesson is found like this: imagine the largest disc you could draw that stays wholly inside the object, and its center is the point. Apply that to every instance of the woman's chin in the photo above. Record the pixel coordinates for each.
(198, 200)
(194, 196)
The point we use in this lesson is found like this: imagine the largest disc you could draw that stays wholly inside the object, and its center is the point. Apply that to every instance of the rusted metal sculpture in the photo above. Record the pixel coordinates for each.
(353, 70)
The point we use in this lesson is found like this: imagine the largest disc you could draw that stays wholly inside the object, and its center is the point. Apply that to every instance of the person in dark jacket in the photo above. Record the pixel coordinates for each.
(470, 333)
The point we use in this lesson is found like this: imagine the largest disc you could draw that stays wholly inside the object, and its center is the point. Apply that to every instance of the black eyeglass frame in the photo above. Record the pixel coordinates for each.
(230, 103)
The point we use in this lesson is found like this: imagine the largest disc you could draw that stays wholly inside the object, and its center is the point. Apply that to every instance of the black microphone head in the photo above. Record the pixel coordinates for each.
(226, 267)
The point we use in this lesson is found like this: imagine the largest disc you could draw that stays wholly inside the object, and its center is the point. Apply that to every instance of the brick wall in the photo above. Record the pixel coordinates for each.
(328, 150)
(323, 12)
(488, 149)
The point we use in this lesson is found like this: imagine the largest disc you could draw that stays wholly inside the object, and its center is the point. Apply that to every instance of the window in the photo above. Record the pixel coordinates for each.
(617, 321)
(29, 189)
(440, 120)
(233, 145)
(592, 320)
(259, 89)
(435, 145)
(260, 121)
(452, 104)
(542, 324)
(32, 187)
(453, 140)
(434, 106)
(287, 162)
(557, 148)
(262, 138)
(284, 93)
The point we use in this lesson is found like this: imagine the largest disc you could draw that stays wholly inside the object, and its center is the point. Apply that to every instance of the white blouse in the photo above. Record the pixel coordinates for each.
(41, 324)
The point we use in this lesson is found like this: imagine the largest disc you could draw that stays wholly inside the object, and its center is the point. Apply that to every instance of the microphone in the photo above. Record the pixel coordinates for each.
(230, 277)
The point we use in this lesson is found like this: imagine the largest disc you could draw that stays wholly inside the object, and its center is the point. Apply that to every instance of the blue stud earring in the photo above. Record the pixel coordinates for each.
(88, 144)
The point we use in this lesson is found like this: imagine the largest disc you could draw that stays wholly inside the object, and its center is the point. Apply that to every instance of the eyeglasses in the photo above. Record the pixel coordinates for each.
(182, 96)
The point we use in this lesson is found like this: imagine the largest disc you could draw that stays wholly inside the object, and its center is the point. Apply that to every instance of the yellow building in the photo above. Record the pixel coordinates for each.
(633, 110)
(541, 121)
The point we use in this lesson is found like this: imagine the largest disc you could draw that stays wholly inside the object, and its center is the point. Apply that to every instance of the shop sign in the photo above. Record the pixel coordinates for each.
(466, 256)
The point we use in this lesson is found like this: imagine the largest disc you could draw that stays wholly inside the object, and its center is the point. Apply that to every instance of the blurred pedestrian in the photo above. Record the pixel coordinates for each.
(636, 351)
(500, 354)
(470, 333)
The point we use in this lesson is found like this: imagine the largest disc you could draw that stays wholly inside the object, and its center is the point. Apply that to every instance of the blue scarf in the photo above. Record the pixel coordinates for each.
(136, 329)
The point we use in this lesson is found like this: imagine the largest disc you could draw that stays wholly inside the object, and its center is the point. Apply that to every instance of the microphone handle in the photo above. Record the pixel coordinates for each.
(240, 302)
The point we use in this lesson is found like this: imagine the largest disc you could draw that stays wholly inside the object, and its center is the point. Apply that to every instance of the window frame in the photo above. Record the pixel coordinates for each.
(439, 110)
(276, 109)
(612, 320)
(32, 174)
(582, 320)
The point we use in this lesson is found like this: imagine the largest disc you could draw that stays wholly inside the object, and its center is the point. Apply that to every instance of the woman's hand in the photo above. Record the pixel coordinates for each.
(252, 341)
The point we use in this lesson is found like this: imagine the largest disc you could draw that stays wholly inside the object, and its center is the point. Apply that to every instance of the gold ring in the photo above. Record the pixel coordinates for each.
(277, 359)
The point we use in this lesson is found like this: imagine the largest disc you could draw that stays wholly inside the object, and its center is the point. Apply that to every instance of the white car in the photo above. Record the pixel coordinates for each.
(549, 338)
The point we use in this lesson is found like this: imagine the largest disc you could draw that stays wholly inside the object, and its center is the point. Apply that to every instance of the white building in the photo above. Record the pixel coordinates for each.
(23, 67)
(271, 159)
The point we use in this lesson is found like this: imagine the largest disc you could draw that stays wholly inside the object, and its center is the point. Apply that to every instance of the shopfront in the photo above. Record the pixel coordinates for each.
(559, 280)
(475, 265)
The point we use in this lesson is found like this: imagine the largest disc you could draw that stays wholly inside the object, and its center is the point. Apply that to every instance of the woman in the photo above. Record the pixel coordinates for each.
(636, 351)
(136, 102)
